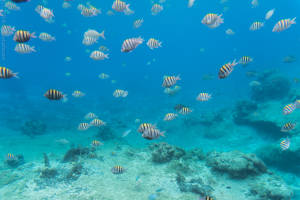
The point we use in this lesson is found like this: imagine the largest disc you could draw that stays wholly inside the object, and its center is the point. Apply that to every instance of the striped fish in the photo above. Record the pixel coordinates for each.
(78, 94)
(83, 126)
(24, 48)
(7, 73)
(10, 156)
(22, 36)
(288, 109)
(7, 30)
(226, 69)
(96, 143)
(169, 81)
(152, 133)
(53, 94)
(120, 6)
(46, 37)
(90, 12)
(156, 8)
(297, 103)
(170, 116)
(284, 24)
(210, 18)
(98, 55)
(117, 169)
(90, 115)
(97, 122)
(285, 144)
(131, 43)
(185, 110)
(144, 126)
(153, 43)
(89, 41)
(288, 127)
(138, 23)
(203, 96)
(245, 60)
(256, 26)
(120, 93)
(206, 198)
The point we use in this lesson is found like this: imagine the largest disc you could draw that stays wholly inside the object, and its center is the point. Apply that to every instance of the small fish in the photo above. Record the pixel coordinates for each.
(98, 55)
(285, 144)
(138, 23)
(24, 48)
(170, 116)
(103, 76)
(172, 91)
(97, 123)
(212, 20)
(245, 60)
(204, 96)
(152, 133)
(153, 43)
(22, 36)
(229, 32)
(10, 156)
(96, 143)
(254, 3)
(126, 133)
(120, 6)
(156, 8)
(7, 30)
(120, 93)
(289, 59)
(169, 81)
(145, 126)
(62, 141)
(206, 198)
(78, 94)
(103, 48)
(68, 59)
(288, 109)
(297, 103)
(46, 37)
(89, 41)
(185, 111)
(66, 5)
(131, 44)
(226, 69)
(53, 94)
(178, 107)
(269, 14)
(90, 115)
(11, 6)
(47, 14)
(6, 73)
(288, 127)
(90, 12)
(94, 34)
(117, 169)
(191, 3)
(284, 24)
(20, 1)
(256, 26)
(83, 126)
(254, 84)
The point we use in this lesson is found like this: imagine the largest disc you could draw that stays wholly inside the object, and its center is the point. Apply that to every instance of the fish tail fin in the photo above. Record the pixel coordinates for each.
(293, 21)
(33, 48)
(33, 35)
(16, 75)
(163, 133)
(102, 34)
(178, 77)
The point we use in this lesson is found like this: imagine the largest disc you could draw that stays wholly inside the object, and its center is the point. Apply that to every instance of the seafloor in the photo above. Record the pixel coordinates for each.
(228, 154)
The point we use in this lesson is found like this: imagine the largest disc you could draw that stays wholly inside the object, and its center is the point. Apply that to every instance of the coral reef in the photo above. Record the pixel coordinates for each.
(194, 185)
(195, 154)
(163, 152)
(105, 133)
(244, 115)
(236, 164)
(75, 172)
(17, 161)
(73, 154)
(273, 86)
(33, 128)
(271, 188)
(48, 173)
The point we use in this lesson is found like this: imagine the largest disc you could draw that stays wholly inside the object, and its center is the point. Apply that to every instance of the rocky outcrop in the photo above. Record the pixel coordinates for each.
(163, 152)
(236, 164)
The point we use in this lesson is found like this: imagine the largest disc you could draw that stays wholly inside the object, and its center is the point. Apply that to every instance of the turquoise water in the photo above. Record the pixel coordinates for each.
(244, 112)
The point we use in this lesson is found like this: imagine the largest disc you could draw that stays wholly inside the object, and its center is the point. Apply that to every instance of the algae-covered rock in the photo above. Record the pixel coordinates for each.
(15, 162)
(33, 128)
(163, 152)
(75, 172)
(271, 188)
(73, 154)
(48, 173)
(236, 164)
(195, 154)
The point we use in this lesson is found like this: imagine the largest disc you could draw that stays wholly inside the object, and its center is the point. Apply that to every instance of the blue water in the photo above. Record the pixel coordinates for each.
(182, 35)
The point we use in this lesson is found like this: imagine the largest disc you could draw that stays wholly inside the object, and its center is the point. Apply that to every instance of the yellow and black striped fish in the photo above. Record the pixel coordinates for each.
(169, 81)
(53, 94)
(96, 143)
(185, 110)
(10, 156)
(7, 73)
(22, 36)
(117, 169)
(288, 127)
(226, 69)
(144, 126)
(245, 60)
